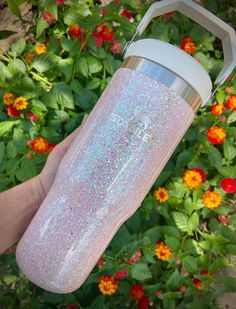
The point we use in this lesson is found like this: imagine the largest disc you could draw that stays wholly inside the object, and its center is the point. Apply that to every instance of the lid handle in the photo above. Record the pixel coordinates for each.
(206, 19)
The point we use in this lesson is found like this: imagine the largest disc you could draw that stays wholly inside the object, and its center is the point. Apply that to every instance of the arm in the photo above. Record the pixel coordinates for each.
(19, 204)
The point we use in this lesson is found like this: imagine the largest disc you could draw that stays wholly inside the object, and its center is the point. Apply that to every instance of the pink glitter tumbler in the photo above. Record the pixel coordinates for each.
(123, 146)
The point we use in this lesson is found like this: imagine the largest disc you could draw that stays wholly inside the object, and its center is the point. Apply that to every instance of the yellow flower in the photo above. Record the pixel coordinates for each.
(40, 48)
(192, 179)
(107, 285)
(161, 195)
(8, 98)
(162, 251)
(20, 103)
(212, 199)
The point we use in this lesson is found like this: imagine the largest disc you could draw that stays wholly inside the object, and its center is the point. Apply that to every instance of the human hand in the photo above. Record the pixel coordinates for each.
(45, 179)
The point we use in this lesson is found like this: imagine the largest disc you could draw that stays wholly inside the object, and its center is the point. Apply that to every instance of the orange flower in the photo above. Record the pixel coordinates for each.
(198, 284)
(217, 109)
(136, 291)
(188, 45)
(231, 102)
(216, 135)
(212, 199)
(39, 144)
(8, 98)
(20, 103)
(29, 57)
(192, 179)
(107, 285)
(12, 111)
(40, 48)
(162, 251)
(161, 195)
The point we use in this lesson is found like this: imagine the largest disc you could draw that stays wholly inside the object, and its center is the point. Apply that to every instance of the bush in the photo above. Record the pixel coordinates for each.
(170, 252)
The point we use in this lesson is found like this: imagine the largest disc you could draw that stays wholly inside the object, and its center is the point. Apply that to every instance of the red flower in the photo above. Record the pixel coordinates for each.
(120, 274)
(71, 306)
(182, 289)
(216, 135)
(231, 102)
(158, 293)
(100, 262)
(105, 11)
(201, 172)
(223, 219)
(188, 45)
(127, 14)
(32, 116)
(74, 31)
(60, 2)
(103, 34)
(12, 111)
(115, 47)
(40, 144)
(198, 284)
(168, 15)
(136, 291)
(49, 18)
(228, 185)
(143, 302)
(205, 272)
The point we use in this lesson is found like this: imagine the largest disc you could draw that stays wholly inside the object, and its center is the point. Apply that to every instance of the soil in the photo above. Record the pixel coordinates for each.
(8, 21)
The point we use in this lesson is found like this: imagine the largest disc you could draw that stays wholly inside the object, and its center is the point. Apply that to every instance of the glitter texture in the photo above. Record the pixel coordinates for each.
(102, 180)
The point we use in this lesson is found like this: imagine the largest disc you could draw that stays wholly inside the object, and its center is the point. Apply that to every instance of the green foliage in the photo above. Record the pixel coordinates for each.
(61, 83)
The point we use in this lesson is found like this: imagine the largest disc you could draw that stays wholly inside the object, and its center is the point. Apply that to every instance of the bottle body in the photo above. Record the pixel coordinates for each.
(103, 178)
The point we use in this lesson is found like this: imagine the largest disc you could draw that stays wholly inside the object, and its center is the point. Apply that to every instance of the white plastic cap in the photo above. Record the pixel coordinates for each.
(176, 60)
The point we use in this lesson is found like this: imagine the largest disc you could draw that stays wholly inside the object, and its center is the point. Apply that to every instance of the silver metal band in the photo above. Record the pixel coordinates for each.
(166, 77)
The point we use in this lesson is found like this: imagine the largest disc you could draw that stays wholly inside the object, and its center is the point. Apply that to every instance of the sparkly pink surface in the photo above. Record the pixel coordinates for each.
(102, 180)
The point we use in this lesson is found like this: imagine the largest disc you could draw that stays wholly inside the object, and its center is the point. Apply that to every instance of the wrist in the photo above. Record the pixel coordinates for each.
(37, 190)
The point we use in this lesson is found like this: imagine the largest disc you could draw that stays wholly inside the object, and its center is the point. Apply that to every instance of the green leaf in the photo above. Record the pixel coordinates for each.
(26, 171)
(183, 159)
(109, 64)
(17, 66)
(4, 182)
(67, 44)
(41, 26)
(39, 105)
(193, 222)
(232, 117)
(49, 100)
(45, 61)
(53, 298)
(2, 151)
(203, 59)
(229, 149)
(11, 150)
(141, 272)
(63, 95)
(20, 140)
(66, 66)
(94, 65)
(94, 83)
(4, 72)
(122, 237)
(6, 126)
(220, 96)
(4, 34)
(181, 220)
(231, 249)
(82, 66)
(173, 243)
(214, 157)
(9, 279)
(190, 264)
(14, 6)
(165, 174)
(153, 233)
(72, 17)
(228, 171)
(18, 47)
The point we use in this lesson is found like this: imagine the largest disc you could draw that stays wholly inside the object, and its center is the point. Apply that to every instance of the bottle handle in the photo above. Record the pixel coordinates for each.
(206, 19)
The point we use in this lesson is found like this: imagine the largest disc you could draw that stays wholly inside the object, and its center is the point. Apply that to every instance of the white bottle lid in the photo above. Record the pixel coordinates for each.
(177, 61)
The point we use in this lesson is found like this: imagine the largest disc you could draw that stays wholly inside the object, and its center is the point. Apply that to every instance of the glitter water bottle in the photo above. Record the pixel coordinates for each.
(123, 146)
